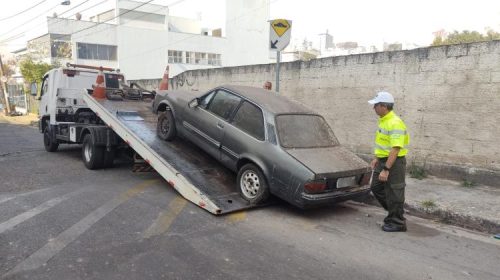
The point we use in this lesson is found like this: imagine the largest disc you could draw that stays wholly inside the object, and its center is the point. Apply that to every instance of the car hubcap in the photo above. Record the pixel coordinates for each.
(165, 126)
(250, 183)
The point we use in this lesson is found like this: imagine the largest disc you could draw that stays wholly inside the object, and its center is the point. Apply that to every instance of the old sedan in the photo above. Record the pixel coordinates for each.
(276, 145)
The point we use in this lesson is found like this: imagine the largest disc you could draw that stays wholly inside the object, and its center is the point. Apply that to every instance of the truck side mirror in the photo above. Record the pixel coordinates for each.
(193, 103)
(34, 89)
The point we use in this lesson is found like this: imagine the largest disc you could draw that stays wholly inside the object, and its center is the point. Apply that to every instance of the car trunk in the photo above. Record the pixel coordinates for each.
(330, 162)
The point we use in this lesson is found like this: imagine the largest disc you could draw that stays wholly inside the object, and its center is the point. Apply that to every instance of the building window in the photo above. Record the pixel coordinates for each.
(174, 56)
(194, 58)
(96, 52)
(190, 57)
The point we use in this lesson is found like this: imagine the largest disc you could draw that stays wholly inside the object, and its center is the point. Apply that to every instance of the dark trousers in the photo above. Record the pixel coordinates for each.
(391, 194)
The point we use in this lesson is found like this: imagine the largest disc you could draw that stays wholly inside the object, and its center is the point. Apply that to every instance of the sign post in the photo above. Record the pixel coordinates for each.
(279, 38)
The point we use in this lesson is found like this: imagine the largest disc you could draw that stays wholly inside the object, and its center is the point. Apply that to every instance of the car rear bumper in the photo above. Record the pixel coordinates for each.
(307, 200)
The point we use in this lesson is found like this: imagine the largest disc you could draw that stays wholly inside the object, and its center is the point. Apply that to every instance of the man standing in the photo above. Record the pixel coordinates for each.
(389, 164)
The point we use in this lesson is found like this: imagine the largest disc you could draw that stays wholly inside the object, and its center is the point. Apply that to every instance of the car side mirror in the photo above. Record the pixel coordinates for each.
(193, 103)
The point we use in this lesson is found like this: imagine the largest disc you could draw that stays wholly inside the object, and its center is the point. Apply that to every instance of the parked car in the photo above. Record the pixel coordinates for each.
(276, 145)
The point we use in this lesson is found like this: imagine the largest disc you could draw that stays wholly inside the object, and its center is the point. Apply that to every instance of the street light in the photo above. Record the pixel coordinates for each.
(66, 3)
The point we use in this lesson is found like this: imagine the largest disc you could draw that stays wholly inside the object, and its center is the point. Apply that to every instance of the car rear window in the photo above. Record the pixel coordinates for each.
(304, 131)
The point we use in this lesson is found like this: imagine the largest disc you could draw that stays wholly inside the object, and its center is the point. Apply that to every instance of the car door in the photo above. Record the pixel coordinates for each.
(244, 134)
(206, 122)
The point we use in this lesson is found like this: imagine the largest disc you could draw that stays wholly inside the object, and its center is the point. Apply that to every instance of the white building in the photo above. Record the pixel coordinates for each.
(141, 39)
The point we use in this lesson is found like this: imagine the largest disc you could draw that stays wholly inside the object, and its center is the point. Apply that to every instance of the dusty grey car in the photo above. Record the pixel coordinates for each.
(275, 145)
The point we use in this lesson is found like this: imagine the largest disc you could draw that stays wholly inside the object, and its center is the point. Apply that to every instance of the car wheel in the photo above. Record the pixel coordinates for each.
(165, 127)
(252, 184)
(50, 144)
(92, 155)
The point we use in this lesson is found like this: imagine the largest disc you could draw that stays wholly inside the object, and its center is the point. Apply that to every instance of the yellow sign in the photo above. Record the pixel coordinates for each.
(280, 26)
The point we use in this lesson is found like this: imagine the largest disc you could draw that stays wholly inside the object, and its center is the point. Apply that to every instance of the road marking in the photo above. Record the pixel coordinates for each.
(7, 197)
(237, 217)
(44, 254)
(165, 218)
(33, 212)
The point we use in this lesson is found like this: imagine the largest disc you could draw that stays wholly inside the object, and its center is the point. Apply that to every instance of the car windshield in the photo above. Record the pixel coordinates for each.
(304, 131)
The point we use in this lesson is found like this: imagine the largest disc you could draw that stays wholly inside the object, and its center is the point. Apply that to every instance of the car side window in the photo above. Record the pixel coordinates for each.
(223, 104)
(205, 100)
(249, 118)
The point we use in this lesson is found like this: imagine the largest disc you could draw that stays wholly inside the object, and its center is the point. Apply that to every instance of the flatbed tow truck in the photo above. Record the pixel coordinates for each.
(69, 114)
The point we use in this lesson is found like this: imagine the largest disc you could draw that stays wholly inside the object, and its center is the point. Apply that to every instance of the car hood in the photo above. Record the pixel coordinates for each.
(183, 95)
(331, 162)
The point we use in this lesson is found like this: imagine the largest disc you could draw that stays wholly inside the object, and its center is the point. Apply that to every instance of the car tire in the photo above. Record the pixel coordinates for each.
(92, 155)
(50, 144)
(252, 184)
(165, 127)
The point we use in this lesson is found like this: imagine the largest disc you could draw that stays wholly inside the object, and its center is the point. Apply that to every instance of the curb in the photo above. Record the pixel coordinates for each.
(444, 216)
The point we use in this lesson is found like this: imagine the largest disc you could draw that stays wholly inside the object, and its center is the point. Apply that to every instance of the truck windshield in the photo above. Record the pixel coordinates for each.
(113, 80)
(304, 131)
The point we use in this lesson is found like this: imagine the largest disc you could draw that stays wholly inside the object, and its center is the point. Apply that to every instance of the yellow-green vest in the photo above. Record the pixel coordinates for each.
(391, 132)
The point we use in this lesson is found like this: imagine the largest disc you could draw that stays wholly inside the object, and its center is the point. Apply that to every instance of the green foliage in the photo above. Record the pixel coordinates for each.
(32, 71)
(468, 184)
(466, 36)
(417, 172)
(428, 205)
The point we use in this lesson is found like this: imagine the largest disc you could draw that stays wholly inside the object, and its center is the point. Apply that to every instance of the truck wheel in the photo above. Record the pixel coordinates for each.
(109, 157)
(165, 127)
(92, 155)
(50, 144)
(252, 184)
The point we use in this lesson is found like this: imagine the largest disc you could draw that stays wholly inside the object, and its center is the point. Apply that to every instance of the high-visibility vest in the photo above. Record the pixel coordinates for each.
(391, 132)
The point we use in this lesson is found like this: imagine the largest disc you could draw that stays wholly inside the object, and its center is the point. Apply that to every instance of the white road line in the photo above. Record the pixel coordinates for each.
(44, 254)
(7, 197)
(9, 224)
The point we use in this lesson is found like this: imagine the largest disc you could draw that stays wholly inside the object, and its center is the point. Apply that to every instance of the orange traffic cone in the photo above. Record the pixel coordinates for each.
(99, 88)
(164, 80)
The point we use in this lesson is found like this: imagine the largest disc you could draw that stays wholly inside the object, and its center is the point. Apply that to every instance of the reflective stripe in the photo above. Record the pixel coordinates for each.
(394, 131)
(385, 148)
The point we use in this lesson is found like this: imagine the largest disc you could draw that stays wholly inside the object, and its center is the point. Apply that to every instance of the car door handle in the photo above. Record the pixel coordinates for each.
(220, 125)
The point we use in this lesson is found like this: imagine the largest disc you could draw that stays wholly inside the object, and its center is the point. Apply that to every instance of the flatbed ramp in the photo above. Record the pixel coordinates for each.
(194, 174)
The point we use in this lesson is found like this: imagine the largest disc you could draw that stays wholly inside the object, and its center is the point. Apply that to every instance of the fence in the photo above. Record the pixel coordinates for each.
(17, 98)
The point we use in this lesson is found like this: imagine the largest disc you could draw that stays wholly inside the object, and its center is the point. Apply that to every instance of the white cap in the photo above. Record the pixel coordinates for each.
(382, 96)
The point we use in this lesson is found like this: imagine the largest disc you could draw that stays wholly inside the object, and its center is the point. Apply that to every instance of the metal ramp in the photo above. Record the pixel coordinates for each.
(197, 176)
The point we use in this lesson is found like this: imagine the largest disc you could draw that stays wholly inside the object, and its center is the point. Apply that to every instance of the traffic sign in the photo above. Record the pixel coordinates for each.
(279, 34)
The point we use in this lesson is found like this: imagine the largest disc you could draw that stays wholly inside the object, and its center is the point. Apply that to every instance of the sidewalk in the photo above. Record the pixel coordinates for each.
(30, 119)
(474, 207)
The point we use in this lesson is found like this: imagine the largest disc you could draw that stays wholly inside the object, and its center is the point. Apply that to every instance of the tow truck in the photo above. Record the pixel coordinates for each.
(69, 114)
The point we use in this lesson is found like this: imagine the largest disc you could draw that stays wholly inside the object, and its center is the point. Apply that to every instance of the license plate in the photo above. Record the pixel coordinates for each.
(346, 182)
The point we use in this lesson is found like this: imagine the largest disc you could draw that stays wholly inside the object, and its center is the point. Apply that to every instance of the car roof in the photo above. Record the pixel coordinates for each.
(269, 100)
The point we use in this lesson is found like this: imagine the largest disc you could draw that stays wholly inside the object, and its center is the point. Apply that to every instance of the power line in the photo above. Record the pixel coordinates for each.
(13, 37)
(9, 17)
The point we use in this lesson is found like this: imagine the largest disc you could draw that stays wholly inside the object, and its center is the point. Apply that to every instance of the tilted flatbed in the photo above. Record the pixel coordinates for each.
(194, 174)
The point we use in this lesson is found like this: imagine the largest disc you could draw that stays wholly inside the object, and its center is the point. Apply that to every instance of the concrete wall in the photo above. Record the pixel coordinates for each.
(448, 96)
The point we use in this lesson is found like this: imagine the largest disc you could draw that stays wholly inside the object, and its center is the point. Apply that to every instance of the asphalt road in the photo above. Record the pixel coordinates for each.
(59, 220)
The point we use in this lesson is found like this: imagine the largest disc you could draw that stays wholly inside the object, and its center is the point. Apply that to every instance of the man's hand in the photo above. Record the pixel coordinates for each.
(374, 163)
(383, 176)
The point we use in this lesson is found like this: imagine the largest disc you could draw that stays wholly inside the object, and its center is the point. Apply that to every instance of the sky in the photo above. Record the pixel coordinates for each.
(367, 22)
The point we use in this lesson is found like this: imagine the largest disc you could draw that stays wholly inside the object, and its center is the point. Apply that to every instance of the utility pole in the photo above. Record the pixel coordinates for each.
(4, 88)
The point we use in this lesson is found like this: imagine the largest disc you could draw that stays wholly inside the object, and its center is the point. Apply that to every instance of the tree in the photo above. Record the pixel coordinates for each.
(32, 71)
(465, 36)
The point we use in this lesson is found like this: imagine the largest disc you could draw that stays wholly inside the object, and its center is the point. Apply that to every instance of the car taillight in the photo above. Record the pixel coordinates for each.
(365, 179)
(315, 187)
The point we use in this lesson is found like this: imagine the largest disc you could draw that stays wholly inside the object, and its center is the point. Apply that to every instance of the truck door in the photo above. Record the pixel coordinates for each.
(44, 97)
(206, 122)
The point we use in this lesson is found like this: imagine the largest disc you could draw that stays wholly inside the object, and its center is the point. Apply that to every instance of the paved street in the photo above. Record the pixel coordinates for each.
(59, 220)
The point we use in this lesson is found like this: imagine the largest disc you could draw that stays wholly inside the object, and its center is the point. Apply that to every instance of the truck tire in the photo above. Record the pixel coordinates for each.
(50, 144)
(165, 127)
(92, 155)
(252, 184)
(109, 157)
